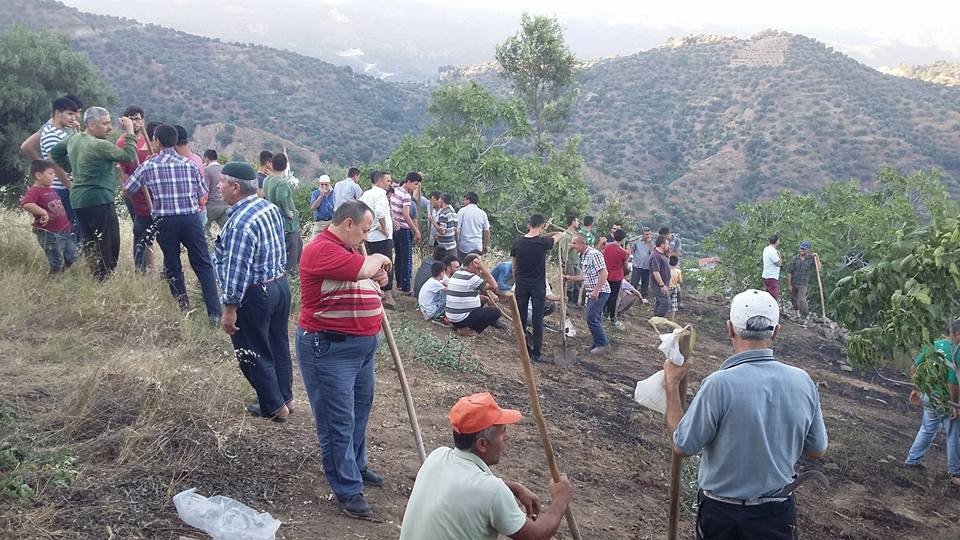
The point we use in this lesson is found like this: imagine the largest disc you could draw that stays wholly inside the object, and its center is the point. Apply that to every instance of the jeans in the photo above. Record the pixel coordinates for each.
(403, 244)
(661, 303)
(144, 232)
(262, 344)
(595, 319)
(383, 247)
(536, 296)
(174, 231)
(718, 520)
(60, 249)
(640, 279)
(932, 422)
(338, 374)
(502, 273)
(294, 244)
(611, 308)
(71, 214)
(100, 230)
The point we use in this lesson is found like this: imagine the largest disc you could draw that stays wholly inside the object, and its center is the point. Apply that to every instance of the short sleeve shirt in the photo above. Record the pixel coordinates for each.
(398, 201)
(332, 298)
(47, 198)
(615, 257)
(473, 221)
(457, 497)
(661, 265)
(531, 254)
(770, 259)
(952, 355)
(430, 299)
(447, 219)
(592, 262)
(463, 294)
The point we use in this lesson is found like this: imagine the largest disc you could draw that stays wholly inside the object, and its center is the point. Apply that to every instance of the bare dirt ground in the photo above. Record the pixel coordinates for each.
(615, 452)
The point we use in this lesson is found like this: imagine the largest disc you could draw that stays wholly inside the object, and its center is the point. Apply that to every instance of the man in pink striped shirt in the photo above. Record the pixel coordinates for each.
(406, 232)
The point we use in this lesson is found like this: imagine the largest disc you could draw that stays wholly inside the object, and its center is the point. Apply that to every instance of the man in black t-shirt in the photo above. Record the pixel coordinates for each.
(529, 254)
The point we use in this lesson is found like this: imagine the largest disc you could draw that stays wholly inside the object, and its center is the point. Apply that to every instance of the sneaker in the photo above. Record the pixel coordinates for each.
(600, 350)
(356, 506)
(617, 324)
(371, 478)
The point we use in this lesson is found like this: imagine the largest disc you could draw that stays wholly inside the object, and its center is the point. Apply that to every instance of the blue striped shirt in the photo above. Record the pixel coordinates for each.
(250, 249)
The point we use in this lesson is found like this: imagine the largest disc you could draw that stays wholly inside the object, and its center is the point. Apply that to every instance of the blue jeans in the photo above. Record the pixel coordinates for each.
(503, 273)
(144, 232)
(595, 319)
(64, 194)
(262, 344)
(60, 249)
(403, 247)
(932, 422)
(339, 379)
(174, 231)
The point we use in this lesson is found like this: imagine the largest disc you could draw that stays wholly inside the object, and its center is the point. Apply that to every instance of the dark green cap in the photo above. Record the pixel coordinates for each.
(239, 170)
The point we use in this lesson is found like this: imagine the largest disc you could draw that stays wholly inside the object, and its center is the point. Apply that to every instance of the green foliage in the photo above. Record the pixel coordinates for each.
(37, 68)
(440, 354)
(542, 71)
(614, 212)
(848, 228)
(24, 474)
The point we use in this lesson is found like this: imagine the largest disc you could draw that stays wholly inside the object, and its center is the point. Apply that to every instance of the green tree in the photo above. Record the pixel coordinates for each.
(542, 72)
(37, 68)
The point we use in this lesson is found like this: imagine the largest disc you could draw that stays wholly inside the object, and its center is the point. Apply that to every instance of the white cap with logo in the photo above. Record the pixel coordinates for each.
(753, 303)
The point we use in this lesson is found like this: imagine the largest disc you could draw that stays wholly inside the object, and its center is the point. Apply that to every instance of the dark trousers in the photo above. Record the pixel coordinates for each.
(661, 303)
(640, 279)
(403, 243)
(100, 230)
(724, 521)
(479, 319)
(144, 232)
(262, 344)
(338, 375)
(383, 247)
(187, 231)
(611, 308)
(538, 296)
(294, 244)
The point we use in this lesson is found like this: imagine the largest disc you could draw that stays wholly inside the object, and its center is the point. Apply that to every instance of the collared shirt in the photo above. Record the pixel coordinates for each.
(324, 211)
(93, 162)
(332, 298)
(447, 220)
(463, 294)
(800, 269)
(473, 221)
(641, 254)
(345, 190)
(398, 201)
(457, 497)
(250, 248)
(376, 198)
(175, 184)
(752, 419)
(592, 262)
(659, 264)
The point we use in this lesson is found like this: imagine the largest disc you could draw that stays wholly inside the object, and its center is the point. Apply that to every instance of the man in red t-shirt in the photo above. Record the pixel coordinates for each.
(340, 318)
(50, 222)
(615, 258)
(139, 205)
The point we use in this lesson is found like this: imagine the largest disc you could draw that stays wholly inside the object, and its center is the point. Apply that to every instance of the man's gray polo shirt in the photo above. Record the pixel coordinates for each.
(752, 419)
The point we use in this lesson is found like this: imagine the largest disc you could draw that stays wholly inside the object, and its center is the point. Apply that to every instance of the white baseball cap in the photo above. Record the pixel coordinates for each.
(324, 179)
(753, 303)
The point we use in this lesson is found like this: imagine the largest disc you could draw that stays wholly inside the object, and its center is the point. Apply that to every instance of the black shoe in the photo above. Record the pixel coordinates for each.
(356, 506)
(254, 409)
(539, 360)
(371, 478)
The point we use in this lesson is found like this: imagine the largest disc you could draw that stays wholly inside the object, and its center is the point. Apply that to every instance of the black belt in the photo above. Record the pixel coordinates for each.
(266, 281)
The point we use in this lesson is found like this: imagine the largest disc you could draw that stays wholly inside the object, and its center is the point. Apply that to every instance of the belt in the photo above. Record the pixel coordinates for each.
(745, 502)
(266, 281)
(782, 496)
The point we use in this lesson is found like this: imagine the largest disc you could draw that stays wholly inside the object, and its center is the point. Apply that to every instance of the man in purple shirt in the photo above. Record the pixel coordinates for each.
(660, 274)
(177, 186)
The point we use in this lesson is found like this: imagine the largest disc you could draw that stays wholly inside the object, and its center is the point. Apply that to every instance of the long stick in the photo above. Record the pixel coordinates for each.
(676, 463)
(823, 304)
(535, 409)
(405, 388)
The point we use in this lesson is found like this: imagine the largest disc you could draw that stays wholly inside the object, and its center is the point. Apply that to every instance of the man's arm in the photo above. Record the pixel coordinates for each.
(30, 145)
(547, 523)
(486, 240)
(412, 223)
(373, 264)
(58, 154)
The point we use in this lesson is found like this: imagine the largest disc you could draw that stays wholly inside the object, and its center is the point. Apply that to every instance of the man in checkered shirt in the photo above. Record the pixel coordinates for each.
(594, 278)
(176, 186)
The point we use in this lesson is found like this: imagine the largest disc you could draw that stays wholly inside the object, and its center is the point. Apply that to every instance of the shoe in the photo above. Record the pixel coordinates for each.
(254, 409)
(289, 405)
(539, 360)
(617, 324)
(918, 466)
(955, 480)
(371, 478)
(356, 506)
(600, 350)
(499, 324)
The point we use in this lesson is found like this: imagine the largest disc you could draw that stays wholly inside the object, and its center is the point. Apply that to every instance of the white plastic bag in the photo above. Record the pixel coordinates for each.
(670, 346)
(651, 393)
(224, 518)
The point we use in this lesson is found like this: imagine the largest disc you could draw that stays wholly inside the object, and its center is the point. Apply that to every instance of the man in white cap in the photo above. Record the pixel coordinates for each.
(457, 497)
(752, 419)
(321, 203)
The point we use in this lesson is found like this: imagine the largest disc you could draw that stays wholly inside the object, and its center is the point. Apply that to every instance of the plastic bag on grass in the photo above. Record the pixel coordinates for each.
(224, 518)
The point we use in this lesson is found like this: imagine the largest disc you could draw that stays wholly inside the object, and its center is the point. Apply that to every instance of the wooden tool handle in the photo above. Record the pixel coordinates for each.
(404, 388)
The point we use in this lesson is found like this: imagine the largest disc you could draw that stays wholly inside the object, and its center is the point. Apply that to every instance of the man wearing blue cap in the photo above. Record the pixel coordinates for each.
(798, 279)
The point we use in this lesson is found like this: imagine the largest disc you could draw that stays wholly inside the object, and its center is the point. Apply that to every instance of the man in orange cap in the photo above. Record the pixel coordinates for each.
(457, 497)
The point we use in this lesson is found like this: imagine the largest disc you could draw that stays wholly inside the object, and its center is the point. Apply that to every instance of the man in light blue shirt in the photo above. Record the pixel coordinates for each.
(473, 228)
(347, 189)
(752, 419)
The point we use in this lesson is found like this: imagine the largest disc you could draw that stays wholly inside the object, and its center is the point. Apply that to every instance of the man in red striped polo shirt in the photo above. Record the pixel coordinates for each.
(337, 338)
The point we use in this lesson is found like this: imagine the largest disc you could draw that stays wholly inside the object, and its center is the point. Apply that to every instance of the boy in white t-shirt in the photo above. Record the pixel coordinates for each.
(433, 294)
(772, 261)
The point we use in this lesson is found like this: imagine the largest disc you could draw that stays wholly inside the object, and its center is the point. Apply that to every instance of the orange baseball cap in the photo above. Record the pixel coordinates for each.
(473, 414)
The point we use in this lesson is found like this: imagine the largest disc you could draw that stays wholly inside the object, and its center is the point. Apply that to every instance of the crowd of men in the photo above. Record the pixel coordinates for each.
(363, 243)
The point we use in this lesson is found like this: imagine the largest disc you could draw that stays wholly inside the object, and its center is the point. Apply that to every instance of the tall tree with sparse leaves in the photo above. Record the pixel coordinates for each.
(542, 72)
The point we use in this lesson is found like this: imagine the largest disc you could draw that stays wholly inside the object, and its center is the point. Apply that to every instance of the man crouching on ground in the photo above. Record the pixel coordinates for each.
(753, 419)
(457, 497)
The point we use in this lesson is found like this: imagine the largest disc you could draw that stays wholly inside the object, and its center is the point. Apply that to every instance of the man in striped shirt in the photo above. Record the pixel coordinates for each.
(250, 256)
(405, 229)
(464, 307)
(444, 225)
(176, 185)
(594, 278)
(337, 341)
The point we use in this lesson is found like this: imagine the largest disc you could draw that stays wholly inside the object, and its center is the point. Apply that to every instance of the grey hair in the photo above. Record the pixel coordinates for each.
(93, 114)
(247, 187)
(759, 328)
(582, 238)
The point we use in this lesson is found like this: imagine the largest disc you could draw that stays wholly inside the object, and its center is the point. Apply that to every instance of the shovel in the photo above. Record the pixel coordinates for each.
(566, 358)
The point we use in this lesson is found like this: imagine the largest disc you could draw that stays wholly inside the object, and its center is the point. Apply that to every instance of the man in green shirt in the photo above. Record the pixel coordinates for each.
(277, 189)
(570, 258)
(934, 419)
(92, 160)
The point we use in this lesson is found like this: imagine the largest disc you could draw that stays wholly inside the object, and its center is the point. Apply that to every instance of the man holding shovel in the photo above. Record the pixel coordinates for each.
(801, 266)
(752, 419)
